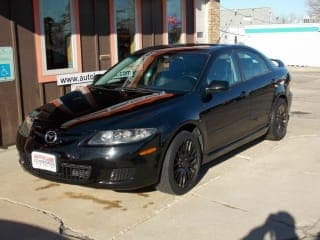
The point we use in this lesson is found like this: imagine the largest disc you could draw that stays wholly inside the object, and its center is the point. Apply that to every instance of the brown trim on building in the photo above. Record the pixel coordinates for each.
(89, 37)
(102, 34)
(8, 97)
(157, 23)
(139, 24)
(190, 21)
(22, 14)
(164, 22)
(147, 24)
(113, 34)
(17, 72)
(184, 15)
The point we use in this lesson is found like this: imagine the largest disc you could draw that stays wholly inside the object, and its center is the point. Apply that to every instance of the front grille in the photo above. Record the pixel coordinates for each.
(122, 174)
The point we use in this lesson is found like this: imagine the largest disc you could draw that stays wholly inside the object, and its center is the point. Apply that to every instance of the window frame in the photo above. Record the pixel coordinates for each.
(45, 75)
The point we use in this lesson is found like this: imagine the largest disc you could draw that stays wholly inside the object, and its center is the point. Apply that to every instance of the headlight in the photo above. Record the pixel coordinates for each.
(121, 136)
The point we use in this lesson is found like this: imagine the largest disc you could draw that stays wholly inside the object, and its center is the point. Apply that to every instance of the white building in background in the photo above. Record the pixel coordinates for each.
(233, 22)
(295, 44)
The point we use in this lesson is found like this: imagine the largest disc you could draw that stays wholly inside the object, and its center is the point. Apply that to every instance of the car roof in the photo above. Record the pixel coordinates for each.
(208, 48)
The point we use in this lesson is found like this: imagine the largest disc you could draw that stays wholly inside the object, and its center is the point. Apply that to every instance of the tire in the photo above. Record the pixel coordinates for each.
(278, 121)
(181, 165)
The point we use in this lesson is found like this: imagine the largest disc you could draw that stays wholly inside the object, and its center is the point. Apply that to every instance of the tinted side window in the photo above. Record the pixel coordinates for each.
(223, 69)
(252, 64)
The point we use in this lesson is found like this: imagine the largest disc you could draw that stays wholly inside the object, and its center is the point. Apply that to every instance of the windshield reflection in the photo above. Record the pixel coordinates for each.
(174, 71)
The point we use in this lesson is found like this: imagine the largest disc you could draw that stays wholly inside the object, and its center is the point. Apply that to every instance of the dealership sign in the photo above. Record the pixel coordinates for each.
(77, 78)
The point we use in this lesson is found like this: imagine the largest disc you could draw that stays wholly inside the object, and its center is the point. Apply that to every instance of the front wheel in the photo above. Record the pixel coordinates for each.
(181, 165)
(279, 120)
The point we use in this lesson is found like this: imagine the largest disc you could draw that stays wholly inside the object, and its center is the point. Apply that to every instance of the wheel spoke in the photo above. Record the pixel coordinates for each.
(189, 173)
(189, 147)
(184, 180)
(185, 147)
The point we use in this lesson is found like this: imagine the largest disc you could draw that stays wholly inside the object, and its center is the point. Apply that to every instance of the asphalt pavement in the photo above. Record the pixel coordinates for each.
(265, 190)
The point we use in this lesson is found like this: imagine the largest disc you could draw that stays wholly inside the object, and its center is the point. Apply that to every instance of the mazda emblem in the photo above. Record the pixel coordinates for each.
(51, 137)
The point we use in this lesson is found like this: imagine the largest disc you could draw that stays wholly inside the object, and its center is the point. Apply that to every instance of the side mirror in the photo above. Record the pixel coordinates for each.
(96, 78)
(217, 86)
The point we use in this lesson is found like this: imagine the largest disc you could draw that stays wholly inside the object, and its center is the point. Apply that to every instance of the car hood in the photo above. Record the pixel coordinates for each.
(90, 103)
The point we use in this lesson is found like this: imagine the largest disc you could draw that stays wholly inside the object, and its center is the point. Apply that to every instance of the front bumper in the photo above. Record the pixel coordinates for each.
(119, 167)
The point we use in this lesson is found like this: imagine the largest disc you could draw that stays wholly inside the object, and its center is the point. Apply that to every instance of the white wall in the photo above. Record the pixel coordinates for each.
(294, 48)
(201, 21)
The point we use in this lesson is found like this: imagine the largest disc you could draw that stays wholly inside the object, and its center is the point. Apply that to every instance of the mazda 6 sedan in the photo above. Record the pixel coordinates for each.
(157, 116)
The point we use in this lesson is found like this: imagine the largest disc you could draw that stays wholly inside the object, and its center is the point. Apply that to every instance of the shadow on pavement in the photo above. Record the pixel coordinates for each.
(205, 168)
(278, 226)
(18, 231)
(217, 161)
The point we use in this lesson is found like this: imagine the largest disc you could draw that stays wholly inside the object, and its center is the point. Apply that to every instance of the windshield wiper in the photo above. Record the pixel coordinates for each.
(140, 89)
(120, 87)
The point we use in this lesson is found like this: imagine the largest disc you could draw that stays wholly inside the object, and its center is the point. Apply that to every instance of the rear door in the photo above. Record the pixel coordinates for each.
(258, 80)
(226, 114)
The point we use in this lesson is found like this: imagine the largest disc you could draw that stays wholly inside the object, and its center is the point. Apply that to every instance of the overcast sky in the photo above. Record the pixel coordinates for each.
(279, 7)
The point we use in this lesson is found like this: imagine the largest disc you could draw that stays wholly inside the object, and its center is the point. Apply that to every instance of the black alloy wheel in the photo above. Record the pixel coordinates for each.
(279, 120)
(185, 164)
(181, 164)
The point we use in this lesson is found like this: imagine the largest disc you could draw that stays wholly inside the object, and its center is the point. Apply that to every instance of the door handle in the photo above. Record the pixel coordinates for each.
(244, 94)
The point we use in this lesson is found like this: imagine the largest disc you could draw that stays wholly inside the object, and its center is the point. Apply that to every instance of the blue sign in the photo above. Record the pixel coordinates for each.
(6, 64)
(5, 70)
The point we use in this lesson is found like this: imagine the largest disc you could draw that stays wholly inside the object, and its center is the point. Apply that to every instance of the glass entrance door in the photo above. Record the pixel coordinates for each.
(125, 12)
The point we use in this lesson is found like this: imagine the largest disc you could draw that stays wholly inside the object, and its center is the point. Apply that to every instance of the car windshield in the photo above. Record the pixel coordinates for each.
(173, 71)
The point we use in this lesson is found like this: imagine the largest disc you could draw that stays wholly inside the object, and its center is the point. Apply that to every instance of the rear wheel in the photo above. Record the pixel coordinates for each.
(181, 165)
(279, 120)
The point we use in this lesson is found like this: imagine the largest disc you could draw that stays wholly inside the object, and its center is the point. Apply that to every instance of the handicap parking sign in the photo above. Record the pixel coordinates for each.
(6, 64)
(5, 70)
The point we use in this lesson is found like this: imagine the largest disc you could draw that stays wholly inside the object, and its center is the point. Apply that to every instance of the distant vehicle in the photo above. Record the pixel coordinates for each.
(157, 116)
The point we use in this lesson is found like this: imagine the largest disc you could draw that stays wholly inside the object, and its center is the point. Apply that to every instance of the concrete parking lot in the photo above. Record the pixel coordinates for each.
(266, 190)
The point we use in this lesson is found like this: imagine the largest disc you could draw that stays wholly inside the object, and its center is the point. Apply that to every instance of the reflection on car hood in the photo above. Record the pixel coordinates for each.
(90, 104)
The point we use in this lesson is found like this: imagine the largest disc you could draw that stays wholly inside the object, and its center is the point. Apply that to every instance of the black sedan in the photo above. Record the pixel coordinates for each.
(157, 116)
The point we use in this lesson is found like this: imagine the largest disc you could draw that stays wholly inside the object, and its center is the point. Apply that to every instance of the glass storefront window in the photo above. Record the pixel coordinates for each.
(126, 27)
(57, 21)
(174, 21)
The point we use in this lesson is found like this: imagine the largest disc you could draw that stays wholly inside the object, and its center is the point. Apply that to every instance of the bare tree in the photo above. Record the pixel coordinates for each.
(314, 7)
